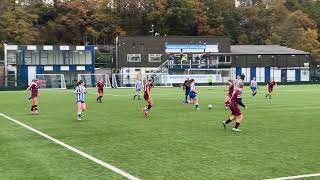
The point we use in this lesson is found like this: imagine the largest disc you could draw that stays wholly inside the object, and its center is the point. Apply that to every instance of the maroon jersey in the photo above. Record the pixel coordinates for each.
(34, 90)
(147, 88)
(235, 111)
(230, 92)
(235, 95)
(271, 84)
(100, 85)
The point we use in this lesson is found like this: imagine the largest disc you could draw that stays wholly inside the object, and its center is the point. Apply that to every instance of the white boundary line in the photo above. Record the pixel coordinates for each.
(104, 164)
(296, 177)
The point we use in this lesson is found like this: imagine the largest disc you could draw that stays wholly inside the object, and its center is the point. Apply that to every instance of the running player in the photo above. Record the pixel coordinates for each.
(270, 86)
(254, 86)
(228, 97)
(186, 87)
(138, 87)
(235, 111)
(100, 86)
(80, 93)
(34, 95)
(193, 94)
(147, 96)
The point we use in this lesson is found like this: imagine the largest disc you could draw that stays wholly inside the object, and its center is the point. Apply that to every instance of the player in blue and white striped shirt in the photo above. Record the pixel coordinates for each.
(138, 88)
(80, 93)
(193, 94)
(254, 86)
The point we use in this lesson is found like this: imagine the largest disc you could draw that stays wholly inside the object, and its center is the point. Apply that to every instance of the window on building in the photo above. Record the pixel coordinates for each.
(77, 56)
(197, 57)
(68, 57)
(134, 57)
(12, 57)
(59, 57)
(51, 57)
(44, 56)
(31, 58)
(224, 59)
(88, 59)
(181, 57)
(228, 59)
(155, 57)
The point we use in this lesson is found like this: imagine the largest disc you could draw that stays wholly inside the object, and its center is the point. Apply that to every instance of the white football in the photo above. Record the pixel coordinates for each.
(210, 106)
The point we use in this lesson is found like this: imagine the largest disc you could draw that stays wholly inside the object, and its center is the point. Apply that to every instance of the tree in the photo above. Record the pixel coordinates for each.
(256, 22)
(173, 17)
(104, 24)
(201, 11)
(16, 25)
(300, 32)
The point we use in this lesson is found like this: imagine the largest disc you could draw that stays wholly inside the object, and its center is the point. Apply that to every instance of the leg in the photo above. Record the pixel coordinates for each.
(101, 96)
(83, 107)
(36, 105)
(241, 104)
(79, 104)
(196, 103)
(186, 96)
(138, 96)
(225, 123)
(148, 107)
(236, 126)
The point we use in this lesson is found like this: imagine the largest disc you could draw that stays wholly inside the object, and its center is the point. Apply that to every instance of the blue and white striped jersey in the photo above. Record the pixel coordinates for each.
(138, 85)
(80, 93)
(253, 83)
(193, 87)
(238, 83)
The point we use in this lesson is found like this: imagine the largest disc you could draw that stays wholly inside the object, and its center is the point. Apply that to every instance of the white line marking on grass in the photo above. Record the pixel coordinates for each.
(296, 177)
(104, 164)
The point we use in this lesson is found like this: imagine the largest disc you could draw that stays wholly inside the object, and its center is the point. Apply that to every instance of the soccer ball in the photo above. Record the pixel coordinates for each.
(210, 106)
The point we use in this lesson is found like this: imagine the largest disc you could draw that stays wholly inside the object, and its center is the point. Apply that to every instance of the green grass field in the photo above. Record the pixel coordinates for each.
(281, 136)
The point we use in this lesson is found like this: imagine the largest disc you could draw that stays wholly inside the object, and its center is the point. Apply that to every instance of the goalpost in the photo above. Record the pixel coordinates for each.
(92, 79)
(51, 81)
(160, 79)
(128, 80)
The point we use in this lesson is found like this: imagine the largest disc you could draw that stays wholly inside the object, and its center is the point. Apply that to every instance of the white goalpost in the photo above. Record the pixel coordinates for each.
(51, 81)
(92, 79)
(128, 80)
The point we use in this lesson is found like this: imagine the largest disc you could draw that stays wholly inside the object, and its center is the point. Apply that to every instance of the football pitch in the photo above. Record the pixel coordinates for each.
(280, 137)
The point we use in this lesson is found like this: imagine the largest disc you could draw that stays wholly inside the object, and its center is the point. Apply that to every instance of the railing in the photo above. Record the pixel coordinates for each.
(187, 64)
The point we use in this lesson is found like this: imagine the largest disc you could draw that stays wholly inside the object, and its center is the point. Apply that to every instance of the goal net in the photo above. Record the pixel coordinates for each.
(126, 80)
(160, 79)
(129, 80)
(91, 80)
(51, 81)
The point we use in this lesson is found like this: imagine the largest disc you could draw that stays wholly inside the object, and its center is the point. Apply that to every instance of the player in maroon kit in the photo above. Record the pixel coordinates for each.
(235, 111)
(230, 91)
(100, 86)
(34, 96)
(270, 86)
(147, 96)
